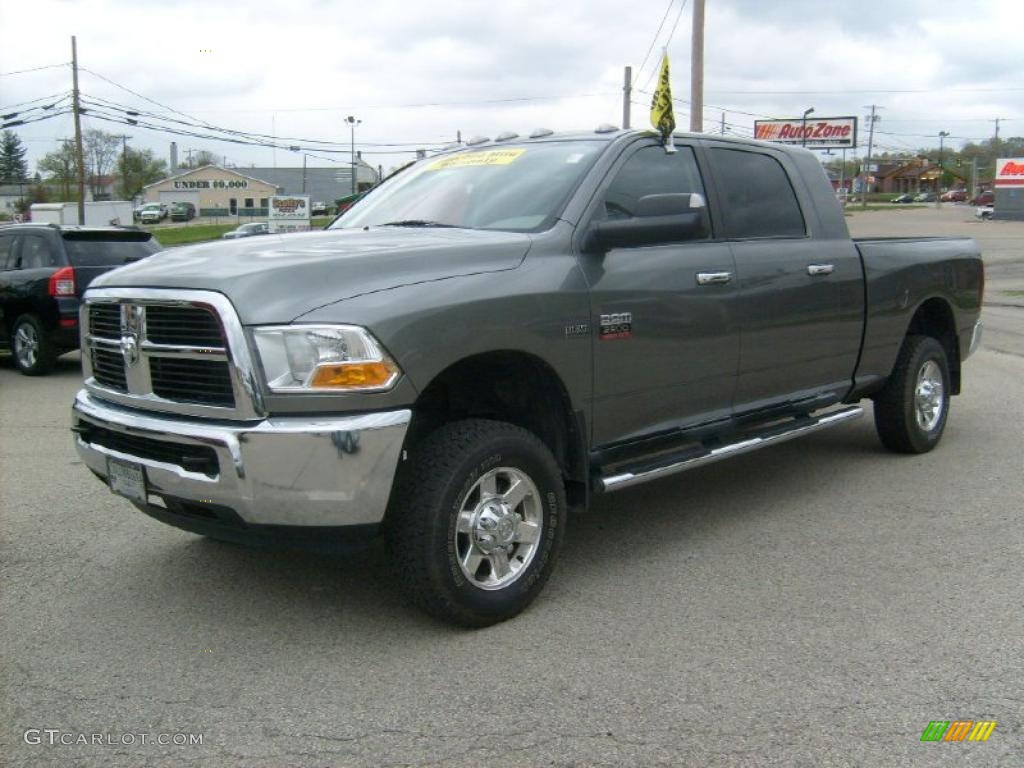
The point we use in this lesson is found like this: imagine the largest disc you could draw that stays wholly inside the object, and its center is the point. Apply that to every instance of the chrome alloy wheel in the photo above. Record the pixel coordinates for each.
(929, 396)
(499, 527)
(26, 345)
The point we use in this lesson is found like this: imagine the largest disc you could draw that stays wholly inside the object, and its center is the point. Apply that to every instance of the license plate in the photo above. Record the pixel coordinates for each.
(127, 479)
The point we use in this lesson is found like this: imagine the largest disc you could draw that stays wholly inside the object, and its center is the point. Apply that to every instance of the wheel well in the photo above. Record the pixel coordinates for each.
(514, 387)
(935, 318)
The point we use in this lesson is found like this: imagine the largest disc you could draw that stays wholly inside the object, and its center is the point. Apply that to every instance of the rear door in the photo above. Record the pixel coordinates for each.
(8, 241)
(800, 295)
(665, 338)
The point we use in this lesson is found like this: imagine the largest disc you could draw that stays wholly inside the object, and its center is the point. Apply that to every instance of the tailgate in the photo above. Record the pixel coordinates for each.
(92, 253)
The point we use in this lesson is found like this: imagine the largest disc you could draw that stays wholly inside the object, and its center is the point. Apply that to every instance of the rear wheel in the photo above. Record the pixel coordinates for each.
(476, 521)
(911, 412)
(34, 353)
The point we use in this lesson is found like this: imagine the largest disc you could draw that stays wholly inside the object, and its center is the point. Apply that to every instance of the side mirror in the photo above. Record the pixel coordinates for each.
(659, 219)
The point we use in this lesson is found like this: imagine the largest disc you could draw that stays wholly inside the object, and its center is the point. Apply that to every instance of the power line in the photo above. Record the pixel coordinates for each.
(59, 96)
(34, 69)
(865, 90)
(654, 40)
(668, 42)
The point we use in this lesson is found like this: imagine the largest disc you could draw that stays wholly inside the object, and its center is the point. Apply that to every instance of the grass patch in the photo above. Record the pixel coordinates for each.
(1013, 293)
(854, 207)
(202, 233)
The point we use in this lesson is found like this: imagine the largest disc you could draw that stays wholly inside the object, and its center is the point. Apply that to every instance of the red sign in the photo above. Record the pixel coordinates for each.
(1010, 172)
(816, 133)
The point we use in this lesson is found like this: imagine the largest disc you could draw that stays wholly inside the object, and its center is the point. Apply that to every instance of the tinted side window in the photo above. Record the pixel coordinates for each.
(757, 195)
(6, 252)
(36, 253)
(650, 171)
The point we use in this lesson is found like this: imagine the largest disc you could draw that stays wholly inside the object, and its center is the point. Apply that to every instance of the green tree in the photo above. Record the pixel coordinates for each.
(200, 158)
(60, 171)
(13, 167)
(37, 193)
(137, 168)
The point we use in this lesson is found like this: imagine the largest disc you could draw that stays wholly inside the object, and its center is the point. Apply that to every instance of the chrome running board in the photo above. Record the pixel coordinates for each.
(774, 436)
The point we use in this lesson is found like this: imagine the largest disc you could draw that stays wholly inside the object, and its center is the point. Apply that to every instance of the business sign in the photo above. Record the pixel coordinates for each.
(288, 213)
(1010, 172)
(813, 133)
(213, 184)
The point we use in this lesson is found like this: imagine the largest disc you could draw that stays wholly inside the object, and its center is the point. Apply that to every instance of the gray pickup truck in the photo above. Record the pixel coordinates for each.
(499, 332)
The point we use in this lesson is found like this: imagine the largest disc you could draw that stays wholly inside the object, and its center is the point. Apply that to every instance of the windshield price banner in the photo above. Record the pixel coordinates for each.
(814, 133)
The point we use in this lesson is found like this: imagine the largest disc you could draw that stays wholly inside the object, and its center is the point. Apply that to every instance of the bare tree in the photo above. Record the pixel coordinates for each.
(101, 151)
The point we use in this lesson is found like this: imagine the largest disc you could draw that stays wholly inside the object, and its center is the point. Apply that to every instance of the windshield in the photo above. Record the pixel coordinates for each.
(518, 188)
(103, 249)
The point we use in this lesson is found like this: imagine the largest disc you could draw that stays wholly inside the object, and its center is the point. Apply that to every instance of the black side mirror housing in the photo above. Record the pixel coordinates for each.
(669, 218)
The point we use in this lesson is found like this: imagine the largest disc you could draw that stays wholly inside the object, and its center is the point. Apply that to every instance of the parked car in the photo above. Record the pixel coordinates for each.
(954, 196)
(925, 197)
(984, 212)
(463, 355)
(318, 209)
(44, 270)
(182, 211)
(988, 197)
(153, 213)
(247, 230)
(904, 198)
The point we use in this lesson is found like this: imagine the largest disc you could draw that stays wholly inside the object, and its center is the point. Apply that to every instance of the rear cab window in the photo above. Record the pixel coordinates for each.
(108, 249)
(757, 196)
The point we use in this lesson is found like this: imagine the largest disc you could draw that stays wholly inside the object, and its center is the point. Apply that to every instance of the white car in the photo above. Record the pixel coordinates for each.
(153, 213)
(984, 212)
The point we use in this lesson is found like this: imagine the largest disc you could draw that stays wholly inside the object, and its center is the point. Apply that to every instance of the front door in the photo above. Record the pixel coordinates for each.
(665, 337)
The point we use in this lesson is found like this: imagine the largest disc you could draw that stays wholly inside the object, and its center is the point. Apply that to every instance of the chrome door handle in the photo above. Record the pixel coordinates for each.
(713, 278)
(819, 269)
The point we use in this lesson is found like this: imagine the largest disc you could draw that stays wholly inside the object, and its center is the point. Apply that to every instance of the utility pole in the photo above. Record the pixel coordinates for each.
(458, 137)
(867, 160)
(124, 163)
(995, 139)
(627, 94)
(304, 174)
(938, 184)
(353, 122)
(723, 123)
(76, 107)
(697, 69)
(974, 177)
(803, 126)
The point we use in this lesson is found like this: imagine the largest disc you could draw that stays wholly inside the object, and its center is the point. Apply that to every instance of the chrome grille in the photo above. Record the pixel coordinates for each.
(183, 326)
(108, 368)
(174, 351)
(206, 382)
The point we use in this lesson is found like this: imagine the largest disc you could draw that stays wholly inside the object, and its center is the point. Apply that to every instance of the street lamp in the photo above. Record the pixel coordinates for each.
(803, 127)
(352, 122)
(938, 183)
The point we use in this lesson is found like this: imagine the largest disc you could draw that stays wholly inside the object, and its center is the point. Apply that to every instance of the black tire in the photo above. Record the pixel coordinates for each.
(439, 476)
(895, 407)
(42, 358)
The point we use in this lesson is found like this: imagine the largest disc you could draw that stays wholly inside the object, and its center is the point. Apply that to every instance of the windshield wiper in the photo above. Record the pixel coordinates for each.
(417, 223)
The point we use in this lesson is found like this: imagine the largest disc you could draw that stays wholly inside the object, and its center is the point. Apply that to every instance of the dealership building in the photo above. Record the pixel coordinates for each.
(218, 191)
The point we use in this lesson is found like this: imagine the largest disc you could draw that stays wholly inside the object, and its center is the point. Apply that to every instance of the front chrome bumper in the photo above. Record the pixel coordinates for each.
(326, 471)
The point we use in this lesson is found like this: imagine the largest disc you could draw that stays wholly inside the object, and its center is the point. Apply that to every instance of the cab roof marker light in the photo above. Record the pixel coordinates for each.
(540, 133)
(506, 136)
(477, 140)
(606, 128)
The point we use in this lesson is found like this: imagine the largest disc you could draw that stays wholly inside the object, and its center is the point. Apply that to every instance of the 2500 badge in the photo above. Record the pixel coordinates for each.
(618, 325)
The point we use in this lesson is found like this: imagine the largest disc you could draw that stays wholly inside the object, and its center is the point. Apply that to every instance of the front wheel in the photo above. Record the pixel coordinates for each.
(911, 412)
(476, 521)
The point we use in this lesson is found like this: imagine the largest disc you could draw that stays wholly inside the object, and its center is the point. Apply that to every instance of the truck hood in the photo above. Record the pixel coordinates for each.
(277, 278)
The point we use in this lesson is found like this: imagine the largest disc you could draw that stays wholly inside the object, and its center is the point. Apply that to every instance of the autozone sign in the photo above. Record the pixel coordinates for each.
(816, 133)
(1010, 172)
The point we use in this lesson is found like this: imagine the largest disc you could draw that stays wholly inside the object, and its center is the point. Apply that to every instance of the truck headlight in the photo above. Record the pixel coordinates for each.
(324, 358)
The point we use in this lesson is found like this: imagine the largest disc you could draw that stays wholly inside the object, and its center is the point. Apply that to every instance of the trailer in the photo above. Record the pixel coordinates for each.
(97, 214)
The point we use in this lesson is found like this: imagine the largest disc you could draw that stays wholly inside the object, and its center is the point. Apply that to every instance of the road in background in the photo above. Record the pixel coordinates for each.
(814, 604)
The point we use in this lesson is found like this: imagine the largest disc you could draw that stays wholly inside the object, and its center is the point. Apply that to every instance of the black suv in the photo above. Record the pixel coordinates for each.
(44, 270)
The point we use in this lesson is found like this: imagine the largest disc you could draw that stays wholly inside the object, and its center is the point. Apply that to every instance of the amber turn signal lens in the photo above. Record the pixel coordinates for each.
(353, 375)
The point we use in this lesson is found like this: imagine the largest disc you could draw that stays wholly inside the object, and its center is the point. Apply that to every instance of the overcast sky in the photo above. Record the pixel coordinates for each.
(418, 72)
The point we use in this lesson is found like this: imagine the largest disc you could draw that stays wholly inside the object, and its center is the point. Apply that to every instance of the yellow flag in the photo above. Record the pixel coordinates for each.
(662, 116)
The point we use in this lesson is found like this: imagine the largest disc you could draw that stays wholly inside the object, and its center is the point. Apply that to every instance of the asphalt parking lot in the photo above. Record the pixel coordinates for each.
(814, 604)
